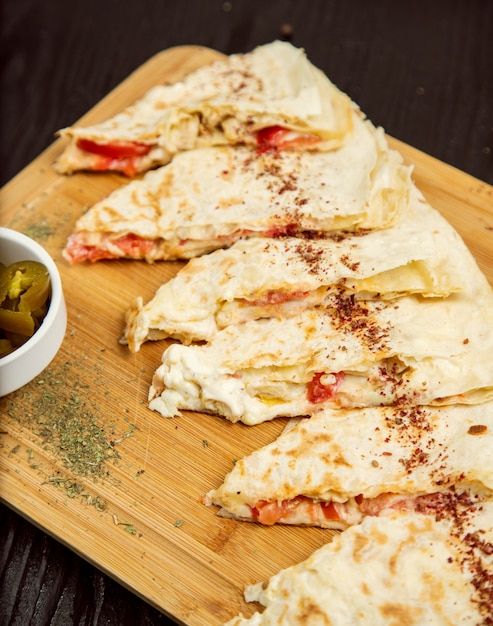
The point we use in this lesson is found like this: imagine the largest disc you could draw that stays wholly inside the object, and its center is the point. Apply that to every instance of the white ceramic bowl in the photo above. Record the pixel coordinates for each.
(30, 359)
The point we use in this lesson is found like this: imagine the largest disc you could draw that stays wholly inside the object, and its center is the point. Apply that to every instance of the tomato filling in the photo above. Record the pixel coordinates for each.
(269, 513)
(118, 155)
(114, 150)
(324, 386)
(280, 138)
(130, 246)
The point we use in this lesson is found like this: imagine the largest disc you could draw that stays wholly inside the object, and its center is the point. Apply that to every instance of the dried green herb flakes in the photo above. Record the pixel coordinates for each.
(68, 426)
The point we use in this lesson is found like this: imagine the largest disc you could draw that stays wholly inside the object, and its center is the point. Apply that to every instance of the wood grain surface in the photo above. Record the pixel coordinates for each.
(421, 69)
(136, 514)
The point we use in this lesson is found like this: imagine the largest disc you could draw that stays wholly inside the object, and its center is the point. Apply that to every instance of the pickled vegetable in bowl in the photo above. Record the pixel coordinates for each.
(24, 300)
(33, 314)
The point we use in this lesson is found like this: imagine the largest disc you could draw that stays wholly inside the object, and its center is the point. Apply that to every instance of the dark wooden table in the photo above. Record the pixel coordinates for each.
(422, 69)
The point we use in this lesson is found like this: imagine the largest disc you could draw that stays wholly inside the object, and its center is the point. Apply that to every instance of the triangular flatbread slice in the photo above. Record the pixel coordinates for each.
(259, 278)
(209, 198)
(272, 95)
(338, 466)
(403, 569)
(350, 354)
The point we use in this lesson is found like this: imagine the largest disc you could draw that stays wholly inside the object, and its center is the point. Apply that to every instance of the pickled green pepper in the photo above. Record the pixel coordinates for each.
(24, 297)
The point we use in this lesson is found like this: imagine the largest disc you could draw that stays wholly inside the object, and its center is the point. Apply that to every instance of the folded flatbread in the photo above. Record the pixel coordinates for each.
(339, 466)
(350, 354)
(270, 96)
(411, 569)
(259, 278)
(208, 198)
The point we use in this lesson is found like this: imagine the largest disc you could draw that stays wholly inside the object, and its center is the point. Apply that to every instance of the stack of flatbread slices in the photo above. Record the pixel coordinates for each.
(319, 286)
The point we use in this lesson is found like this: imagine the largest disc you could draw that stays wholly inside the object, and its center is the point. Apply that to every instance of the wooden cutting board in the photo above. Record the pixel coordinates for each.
(85, 459)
